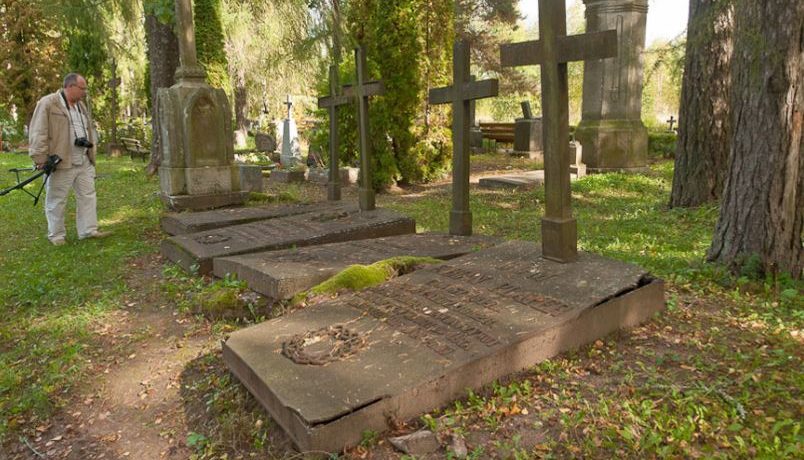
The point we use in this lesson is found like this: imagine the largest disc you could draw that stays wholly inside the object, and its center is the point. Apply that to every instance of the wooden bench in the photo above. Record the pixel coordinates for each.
(134, 148)
(500, 132)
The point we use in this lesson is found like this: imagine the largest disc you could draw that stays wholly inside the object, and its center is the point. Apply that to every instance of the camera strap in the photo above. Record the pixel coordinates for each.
(70, 116)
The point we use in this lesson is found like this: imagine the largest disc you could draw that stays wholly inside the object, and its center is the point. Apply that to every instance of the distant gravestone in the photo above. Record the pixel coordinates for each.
(265, 142)
(460, 94)
(197, 170)
(196, 250)
(670, 123)
(552, 52)
(332, 371)
(283, 274)
(291, 151)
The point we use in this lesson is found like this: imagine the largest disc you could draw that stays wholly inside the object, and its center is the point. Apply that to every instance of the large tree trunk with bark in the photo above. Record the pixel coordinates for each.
(163, 59)
(762, 212)
(240, 107)
(704, 132)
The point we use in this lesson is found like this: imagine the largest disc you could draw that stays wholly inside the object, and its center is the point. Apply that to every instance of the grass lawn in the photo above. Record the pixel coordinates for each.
(719, 374)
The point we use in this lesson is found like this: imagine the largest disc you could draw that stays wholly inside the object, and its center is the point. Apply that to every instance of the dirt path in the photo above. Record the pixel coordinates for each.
(131, 406)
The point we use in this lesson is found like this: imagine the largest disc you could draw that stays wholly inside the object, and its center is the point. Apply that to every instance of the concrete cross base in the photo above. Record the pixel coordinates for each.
(558, 239)
(614, 145)
(333, 191)
(366, 197)
(460, 223)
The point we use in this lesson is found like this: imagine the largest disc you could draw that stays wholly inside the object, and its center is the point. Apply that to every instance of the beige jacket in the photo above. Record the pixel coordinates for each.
(50, 132)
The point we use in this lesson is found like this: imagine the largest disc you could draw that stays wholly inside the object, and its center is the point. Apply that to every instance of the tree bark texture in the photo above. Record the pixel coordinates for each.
(762, 211)
(163, 59)
(704, 132)
(240, 107)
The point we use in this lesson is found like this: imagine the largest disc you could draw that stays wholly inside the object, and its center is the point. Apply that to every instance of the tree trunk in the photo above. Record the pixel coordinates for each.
(240, 107)
(163, 59)
(704, 132)
(762, 213)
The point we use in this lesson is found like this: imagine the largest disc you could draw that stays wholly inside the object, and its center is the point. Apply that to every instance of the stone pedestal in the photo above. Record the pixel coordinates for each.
(251, 179)
(291, 153)
(611, 128)
(475, 139)
(528, 137)
(197, 170)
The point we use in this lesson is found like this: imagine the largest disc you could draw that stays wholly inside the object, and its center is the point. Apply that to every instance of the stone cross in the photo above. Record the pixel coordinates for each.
(552, 52)
(289, 103)
(671, 122)
(362, 90)
(189, 70)
(462, 91)
(332, 102)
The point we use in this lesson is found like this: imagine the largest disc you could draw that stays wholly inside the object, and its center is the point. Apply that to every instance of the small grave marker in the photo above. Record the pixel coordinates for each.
(363, 89)
(332, 102)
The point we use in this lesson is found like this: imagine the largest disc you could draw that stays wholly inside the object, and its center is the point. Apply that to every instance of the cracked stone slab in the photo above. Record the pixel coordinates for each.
(283, 274)
(416, 343)
(180, 223)
(197, 250)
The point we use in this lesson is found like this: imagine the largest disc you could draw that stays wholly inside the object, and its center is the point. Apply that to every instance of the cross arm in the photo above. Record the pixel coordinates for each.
(584, 47)
(333, 101)
(371, 88)
(469, 90)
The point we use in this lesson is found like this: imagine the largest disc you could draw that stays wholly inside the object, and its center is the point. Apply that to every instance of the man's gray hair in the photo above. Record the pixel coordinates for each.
(71, 79)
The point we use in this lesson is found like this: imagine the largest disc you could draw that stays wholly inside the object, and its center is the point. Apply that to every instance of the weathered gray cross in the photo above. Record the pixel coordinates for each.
(332, 102)
(460, 94)
(362, 90)
(552, 52)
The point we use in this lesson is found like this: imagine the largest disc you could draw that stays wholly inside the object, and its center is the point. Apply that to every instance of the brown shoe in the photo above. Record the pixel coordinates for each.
(96, 235)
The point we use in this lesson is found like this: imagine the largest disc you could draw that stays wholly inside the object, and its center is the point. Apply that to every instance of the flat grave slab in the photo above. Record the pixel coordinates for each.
(331, 371)
(283, 274)
(192, 222)
(516, 181)
(342, 224)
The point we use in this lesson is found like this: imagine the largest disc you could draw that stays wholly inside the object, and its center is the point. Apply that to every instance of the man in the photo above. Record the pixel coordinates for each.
(62, 125)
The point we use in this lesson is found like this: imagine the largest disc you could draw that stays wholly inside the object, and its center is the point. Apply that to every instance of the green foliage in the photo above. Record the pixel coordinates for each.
(210, 43)
(661, 143)
(407, 45)
(163, 10)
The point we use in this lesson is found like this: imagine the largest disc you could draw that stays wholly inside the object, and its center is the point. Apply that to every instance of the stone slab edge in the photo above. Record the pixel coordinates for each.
(623, 311)
(179, 255)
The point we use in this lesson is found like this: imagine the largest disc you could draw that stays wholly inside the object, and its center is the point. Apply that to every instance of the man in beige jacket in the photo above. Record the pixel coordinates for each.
(62, 125)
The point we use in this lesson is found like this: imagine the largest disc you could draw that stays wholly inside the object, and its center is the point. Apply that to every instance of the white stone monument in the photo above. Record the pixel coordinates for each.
(291, 152)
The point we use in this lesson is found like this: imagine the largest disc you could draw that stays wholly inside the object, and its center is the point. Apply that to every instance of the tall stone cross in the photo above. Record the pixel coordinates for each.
(671, 122)
(332, 102)
(362, 91)
(189, 71)
(463, 90)
(552, 52)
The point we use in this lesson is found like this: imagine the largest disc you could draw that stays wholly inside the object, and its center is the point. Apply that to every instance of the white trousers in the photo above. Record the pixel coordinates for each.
(80, 178)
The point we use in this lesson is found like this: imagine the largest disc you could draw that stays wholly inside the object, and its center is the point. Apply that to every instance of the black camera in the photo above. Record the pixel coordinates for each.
(83, 142)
